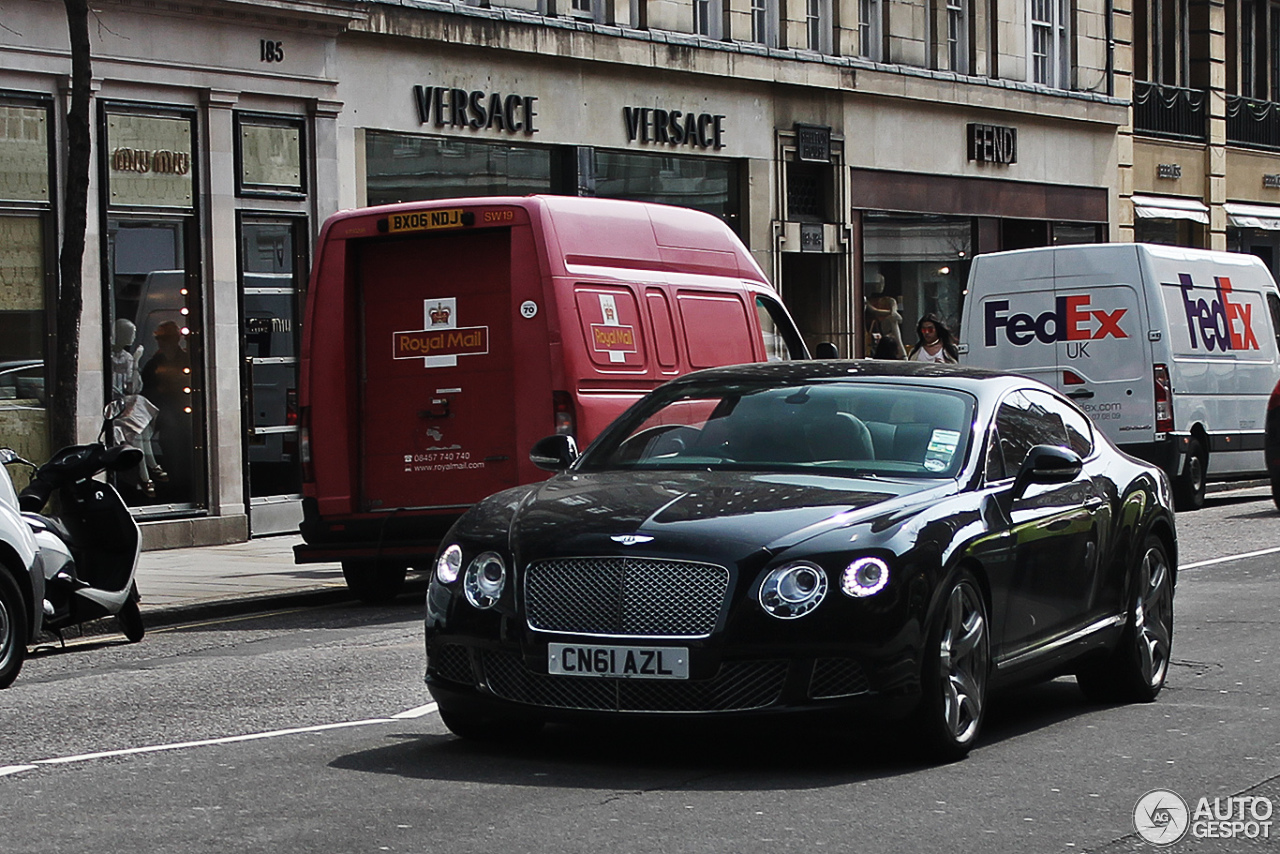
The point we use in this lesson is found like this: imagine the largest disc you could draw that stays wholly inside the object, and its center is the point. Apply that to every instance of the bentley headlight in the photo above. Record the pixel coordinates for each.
(449, 564)
(793, 590)
(486, 576)
(866, 576)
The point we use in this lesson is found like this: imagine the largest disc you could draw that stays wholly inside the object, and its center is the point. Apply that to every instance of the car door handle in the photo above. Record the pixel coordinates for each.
(1080, 394)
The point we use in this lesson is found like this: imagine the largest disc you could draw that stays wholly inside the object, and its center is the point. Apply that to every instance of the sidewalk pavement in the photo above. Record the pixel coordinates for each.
(179, 585)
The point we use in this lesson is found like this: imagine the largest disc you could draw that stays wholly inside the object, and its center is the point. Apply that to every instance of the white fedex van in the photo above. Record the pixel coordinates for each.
(1171, 352)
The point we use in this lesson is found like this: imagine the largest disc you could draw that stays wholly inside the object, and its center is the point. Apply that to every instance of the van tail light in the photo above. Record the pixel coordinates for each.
(1273, 404)
(304, 444)
(1164, 400)
(1072, 378)
(562, 405)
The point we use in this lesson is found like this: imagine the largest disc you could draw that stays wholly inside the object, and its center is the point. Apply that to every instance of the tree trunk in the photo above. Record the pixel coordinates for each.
(75, 214)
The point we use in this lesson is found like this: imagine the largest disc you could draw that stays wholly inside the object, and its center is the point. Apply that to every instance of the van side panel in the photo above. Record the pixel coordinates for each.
(717, 330)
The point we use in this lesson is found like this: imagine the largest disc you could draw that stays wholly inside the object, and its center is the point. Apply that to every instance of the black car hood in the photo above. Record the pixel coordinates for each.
(727, 514)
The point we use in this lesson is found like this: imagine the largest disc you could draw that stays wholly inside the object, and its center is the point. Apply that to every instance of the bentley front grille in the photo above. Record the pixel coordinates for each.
(625, 596)
(738, 686)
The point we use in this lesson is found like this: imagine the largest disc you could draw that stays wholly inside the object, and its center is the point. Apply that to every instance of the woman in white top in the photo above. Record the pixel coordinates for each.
(935, 343)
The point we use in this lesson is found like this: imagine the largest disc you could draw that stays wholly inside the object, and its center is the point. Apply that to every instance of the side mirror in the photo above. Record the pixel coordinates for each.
(554, 453)
(9, 455)
(826, 350)
(113, 410)
(1047, 464)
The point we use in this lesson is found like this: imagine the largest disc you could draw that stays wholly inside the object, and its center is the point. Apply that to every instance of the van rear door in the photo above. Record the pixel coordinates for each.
(438, 423)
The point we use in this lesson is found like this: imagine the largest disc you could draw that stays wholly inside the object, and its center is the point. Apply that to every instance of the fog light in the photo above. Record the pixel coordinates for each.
(866, 576)
(486, 576)
(449, 564)
(794, 590)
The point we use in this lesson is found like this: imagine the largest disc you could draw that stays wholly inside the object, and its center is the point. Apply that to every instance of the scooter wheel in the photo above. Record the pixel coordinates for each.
(130, 620)
(13, 629)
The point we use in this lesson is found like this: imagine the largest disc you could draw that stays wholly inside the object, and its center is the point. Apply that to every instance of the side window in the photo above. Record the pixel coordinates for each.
(1022, 424)
(995, 461)
(781, 344)
(1076, 423)
(1273, 306)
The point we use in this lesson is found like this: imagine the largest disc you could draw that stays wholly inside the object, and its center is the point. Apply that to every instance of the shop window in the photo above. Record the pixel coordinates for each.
(913, 265)
(705, 184)
(26, 260)
(1048, 43)
(403, 168)
(1170, 232)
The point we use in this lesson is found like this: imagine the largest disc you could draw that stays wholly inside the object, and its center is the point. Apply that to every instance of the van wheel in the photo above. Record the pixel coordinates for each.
(374, 582)
(1189, 488)
(13, 629)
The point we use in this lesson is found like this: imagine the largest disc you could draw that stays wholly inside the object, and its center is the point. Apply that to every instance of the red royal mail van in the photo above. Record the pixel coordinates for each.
(442, 339)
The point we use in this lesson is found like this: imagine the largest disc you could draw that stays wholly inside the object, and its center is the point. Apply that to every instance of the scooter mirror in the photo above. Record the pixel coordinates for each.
(8, 455)
(112, 410)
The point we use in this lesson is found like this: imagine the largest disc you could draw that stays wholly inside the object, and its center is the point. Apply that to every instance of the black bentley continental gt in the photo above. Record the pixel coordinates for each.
(848, 538)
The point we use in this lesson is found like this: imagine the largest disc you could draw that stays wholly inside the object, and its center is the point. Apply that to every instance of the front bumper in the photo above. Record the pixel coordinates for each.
(498, 678)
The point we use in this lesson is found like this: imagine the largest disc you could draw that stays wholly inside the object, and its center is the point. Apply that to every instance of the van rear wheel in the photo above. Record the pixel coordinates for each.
(13, 629)
(374, 582)
(1189, 488)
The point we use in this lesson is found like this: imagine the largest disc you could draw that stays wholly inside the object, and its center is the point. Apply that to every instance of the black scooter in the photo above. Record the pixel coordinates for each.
(89, 547)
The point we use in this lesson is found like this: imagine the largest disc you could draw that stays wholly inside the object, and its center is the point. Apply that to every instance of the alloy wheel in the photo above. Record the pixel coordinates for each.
(1153, 616)
(963, 661)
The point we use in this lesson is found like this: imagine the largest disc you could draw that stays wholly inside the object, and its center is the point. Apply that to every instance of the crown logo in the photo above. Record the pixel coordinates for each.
(439, 314)
(608, 314)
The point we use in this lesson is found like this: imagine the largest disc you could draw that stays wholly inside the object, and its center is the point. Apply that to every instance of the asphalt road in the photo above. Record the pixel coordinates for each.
(279, 732)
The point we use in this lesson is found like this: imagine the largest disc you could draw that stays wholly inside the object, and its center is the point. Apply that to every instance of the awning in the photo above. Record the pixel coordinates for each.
(1253, 216)
(1167, 207)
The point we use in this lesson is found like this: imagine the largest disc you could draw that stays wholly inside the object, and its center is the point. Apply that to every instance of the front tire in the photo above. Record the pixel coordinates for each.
(957, 663)
(13, 629)
(374, 582)
(1189, 488)
(1137, 670)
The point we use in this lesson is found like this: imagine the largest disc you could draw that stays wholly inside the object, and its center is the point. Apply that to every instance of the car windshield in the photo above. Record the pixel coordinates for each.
(838, 428)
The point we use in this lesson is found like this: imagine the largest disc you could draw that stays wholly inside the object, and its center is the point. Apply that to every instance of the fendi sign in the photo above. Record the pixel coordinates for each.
(993, 143)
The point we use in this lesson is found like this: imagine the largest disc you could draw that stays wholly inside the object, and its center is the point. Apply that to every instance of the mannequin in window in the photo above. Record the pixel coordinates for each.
(883, 318)
(166, 379)
(134, 425)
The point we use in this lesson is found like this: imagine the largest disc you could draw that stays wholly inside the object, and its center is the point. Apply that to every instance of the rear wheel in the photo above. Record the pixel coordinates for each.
(956, 665)
(130, 620)
(13, 629)
(482, 727)
(374, 582)
(1189, 488)
(1136, 671)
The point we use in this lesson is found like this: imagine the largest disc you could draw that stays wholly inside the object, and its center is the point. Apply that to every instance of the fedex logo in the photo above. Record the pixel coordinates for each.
(1071, 320)
(1224, 325)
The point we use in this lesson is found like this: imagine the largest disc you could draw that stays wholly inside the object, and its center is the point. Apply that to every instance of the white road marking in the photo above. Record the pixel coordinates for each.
(1215, 560)
(420, 711)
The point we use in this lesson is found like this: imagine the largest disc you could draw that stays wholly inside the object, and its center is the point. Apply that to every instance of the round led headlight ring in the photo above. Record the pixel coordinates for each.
(865, 577)
(793, 590)
(449, 564)
(486, 576)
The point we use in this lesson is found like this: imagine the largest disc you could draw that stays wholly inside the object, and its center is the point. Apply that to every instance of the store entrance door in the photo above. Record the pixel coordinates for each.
(272, 281)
